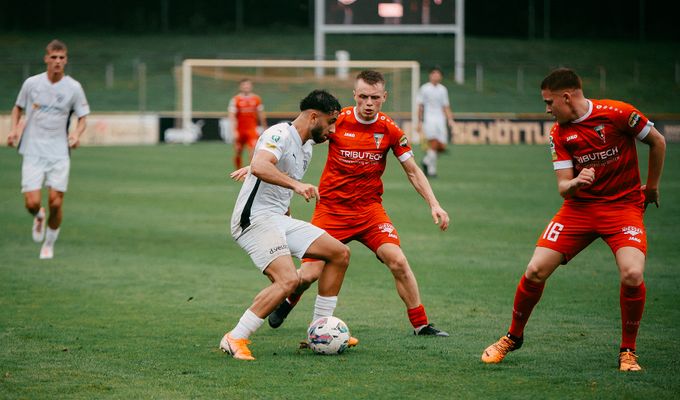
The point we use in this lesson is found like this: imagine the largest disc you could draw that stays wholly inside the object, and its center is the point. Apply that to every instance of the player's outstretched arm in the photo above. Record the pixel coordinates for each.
(263, 166)
(74, 137)
(422, 186)
(657, 155)
(240, 174)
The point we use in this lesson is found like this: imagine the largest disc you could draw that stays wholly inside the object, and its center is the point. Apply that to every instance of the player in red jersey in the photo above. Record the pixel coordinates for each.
(245, 110)
(351, 198)
(595, 160)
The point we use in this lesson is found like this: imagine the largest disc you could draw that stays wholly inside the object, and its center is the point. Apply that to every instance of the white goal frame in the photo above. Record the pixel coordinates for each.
(187, 65)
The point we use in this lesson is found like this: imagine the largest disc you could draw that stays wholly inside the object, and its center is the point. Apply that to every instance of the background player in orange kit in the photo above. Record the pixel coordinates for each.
(595, 160)
(245, 110)
(351, 198)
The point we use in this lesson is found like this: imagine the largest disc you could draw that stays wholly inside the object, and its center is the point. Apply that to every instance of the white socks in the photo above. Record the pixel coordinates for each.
(51, 236)
(431, 161)
(248, 324)
(324, 306)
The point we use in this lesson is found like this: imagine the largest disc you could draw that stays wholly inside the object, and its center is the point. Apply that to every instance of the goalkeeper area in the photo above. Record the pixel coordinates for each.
(206, 86)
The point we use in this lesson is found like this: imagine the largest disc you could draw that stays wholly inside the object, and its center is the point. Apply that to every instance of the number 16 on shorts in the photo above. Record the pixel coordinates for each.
(552, 232)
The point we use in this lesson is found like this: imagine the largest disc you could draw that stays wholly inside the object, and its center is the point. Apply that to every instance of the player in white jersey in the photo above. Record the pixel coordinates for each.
(261, 222)
(48, 99)
(434, 112)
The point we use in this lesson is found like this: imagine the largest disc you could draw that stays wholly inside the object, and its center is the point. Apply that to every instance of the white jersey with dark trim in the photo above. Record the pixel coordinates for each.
(48, 107)
(259, 199)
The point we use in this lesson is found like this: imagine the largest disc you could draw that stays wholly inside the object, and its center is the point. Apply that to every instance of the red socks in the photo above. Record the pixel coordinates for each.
(417, 316)
(526, 297)
(632, 300)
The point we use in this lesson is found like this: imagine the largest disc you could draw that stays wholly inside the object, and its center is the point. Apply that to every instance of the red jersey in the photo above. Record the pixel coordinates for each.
(604, 139)
(246, 109)
(356, 161)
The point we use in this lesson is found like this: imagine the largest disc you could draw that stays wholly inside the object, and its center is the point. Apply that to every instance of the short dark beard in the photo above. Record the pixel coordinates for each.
(317, 134)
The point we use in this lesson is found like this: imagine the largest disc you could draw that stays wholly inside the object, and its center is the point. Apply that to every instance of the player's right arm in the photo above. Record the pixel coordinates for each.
(263, 166)
(567, 184)
(15, 131)
(232, 116)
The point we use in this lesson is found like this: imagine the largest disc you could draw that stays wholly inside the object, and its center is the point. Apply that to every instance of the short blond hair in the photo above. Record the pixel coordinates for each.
(55, 45)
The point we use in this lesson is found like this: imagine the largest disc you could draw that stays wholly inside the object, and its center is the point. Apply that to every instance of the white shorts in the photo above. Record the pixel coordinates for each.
(270, 237)
(53, 172)
(435, 129)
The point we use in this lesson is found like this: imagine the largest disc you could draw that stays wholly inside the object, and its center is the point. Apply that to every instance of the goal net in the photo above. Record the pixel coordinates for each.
(207, 85)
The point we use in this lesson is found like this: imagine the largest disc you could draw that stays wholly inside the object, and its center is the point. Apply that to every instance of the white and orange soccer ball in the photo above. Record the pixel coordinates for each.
(328, 335)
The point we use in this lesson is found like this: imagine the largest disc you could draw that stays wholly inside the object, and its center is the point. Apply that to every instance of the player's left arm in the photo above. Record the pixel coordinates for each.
(262, 116)
(657, 155)
(74, 136)
(422, 186)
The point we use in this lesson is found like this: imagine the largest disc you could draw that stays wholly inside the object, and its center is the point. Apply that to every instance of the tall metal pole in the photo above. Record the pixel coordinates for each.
(459, 56)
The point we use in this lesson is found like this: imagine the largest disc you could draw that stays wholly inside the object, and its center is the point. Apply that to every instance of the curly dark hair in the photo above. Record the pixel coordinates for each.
(320, 100)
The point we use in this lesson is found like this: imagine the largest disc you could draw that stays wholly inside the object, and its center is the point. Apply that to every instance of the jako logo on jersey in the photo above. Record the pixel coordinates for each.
(278, 248)
(572, 137)
(389, 229)
(349, 134)
(360, 155)
(633, 119)
(599, 155)
(633, 231)
(377, 137)
(600, 131)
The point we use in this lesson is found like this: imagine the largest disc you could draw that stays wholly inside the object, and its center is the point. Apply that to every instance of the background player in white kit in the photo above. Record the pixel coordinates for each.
(261, 222)
(434, 112)
(48, 99)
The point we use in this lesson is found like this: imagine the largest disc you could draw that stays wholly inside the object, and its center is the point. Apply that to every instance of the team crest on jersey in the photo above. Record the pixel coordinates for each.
(403, 141)
(600, 131)
(633, 119)
(378, 137)
(276, 138)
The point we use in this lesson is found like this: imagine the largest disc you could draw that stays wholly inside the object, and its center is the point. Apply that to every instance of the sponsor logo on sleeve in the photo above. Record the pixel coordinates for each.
(633, 119)
(403, 141)
(553, 153)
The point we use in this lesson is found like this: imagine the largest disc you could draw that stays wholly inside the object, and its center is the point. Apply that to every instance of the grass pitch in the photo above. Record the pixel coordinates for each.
(146, 280)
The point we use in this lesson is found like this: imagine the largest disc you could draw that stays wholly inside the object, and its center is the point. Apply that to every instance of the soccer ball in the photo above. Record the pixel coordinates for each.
(328, 335)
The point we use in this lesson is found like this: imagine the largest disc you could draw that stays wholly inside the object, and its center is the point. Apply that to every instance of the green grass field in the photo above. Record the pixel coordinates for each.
(146, 280)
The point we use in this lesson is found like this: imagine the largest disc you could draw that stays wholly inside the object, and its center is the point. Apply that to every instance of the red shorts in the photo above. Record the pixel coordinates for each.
(575, 226)
(372, 226)
(247, 138)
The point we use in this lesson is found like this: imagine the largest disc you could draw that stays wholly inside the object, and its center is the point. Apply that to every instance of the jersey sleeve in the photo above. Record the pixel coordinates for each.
(560, 156)
(399, 141)
(274, 141)
(420, 98)
(80, 105)
(260, 105)
(445, 100)
(632, 121)
(22, 98)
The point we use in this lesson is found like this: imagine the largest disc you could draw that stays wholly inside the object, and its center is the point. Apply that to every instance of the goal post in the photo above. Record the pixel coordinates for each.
(206, 85)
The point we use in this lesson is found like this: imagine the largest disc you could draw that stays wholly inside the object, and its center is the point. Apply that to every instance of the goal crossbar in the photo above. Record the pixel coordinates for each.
(187, 65)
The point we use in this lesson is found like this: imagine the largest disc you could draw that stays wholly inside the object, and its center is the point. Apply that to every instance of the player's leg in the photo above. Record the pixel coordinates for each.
(57, 180)
(32, 177)
(281, 272)
(631, 263)
(529, 290)
(309, 272)
(336, 258)
(407, 288)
